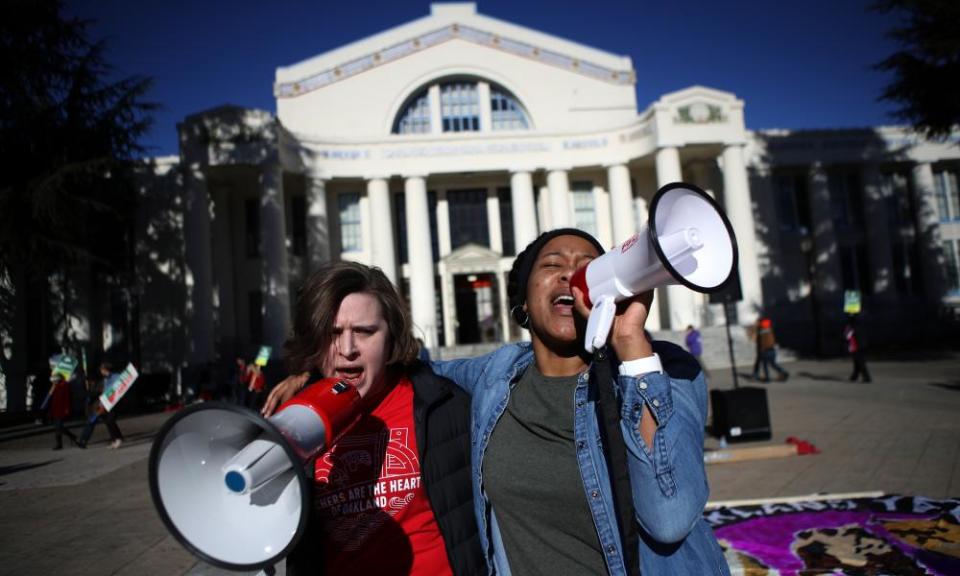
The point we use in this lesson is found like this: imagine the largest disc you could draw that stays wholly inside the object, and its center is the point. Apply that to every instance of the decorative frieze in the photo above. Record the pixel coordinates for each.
(453, 31)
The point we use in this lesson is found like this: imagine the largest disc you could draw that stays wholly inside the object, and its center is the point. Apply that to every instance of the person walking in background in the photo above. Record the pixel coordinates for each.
(695, 347)
(58, 406)
(855, 348)
(255, 385)
(108, 416)
(238, 379)
(767, 351)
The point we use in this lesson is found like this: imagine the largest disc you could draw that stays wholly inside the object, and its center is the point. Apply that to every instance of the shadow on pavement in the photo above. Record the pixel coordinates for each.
(4, 470)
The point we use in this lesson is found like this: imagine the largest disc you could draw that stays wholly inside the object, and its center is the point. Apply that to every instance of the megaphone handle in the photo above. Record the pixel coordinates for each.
(267, 571)
(599, 323)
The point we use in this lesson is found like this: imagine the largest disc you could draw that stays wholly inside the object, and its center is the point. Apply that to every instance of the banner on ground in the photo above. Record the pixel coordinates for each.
(116, 385)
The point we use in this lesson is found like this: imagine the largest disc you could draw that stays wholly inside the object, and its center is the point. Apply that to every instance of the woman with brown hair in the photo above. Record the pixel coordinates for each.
(393, 496)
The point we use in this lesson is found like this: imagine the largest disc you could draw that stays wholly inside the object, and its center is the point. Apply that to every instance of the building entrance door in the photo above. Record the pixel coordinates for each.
(477, 309)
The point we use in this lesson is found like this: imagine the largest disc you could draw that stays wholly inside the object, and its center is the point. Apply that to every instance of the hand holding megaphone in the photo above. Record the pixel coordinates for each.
(232, 487)
(687, 240)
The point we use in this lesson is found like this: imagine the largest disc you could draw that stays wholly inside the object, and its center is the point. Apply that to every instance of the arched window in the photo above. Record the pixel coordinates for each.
(506, 113)
(415, 118)
(458, 101)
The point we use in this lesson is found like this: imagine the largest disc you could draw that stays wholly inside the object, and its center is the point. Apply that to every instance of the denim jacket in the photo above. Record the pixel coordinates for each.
(668, 480)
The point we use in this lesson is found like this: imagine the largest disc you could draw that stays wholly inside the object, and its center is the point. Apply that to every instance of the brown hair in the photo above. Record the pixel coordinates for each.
(318, 301)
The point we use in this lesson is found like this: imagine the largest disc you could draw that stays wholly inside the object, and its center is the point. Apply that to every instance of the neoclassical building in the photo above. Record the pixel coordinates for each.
(439, 148)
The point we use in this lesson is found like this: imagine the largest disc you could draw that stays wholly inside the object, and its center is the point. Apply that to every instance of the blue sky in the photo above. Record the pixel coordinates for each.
(796, 65)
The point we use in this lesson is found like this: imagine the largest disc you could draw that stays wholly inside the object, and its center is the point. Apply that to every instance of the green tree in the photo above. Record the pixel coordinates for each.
(926, 68)
(69, 135)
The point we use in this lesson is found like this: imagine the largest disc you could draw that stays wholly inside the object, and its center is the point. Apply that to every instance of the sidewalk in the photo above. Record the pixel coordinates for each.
(89, 511)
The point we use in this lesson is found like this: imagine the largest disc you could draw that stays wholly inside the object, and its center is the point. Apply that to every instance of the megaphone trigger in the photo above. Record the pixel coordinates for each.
(599, 323)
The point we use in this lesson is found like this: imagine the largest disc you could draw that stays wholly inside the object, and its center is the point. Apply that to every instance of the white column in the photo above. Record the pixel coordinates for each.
(422, 292)
(196, 240)
(559, 199)
(524, 210)
(878, 234)
(928, 232)
(275, 281)
(621, 202)
(737, 202)
(543, 207)
(444, 242)
(493, 220)
(486, 116)
(318, 225)
(436, 119)
(382, 252)
(653, 315)
(680, 299)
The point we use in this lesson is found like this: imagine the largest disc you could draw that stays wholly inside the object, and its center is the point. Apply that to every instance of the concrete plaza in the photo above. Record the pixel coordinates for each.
(89, 511)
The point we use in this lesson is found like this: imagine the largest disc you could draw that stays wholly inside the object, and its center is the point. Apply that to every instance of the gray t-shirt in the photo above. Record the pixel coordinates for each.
(533, 481)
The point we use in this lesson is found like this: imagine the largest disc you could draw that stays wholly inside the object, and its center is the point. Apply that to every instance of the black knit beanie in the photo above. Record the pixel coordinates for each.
(520, 273)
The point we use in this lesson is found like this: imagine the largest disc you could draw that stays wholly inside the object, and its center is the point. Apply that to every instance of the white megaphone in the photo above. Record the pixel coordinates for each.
(232, 487)
(687, 240)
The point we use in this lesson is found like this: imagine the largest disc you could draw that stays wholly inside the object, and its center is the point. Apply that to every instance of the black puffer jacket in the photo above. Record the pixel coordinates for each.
(441, 415)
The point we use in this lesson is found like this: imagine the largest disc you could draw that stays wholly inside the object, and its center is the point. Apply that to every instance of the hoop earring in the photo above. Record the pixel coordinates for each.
(520, 316)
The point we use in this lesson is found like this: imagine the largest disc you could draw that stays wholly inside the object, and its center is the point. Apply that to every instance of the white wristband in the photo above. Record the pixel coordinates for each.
(641, 366)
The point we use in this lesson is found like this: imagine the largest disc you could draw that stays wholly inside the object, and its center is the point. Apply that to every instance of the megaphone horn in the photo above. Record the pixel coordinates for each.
(687, 240)
(232, 487)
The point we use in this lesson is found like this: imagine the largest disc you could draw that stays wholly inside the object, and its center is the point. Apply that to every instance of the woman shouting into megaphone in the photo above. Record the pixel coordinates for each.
(585, 463)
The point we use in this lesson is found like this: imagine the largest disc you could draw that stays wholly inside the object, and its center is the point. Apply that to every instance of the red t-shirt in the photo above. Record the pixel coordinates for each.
(374, 511)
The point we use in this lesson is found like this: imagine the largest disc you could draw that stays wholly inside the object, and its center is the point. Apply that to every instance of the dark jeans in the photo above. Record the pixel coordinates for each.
(110, 419)
(768, 358)
(59, 430)
(860, 367)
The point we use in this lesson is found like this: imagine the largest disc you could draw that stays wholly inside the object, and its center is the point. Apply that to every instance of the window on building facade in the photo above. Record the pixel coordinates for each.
(351, 233)
(461, 109)
(255, 316)
(251, 220)
(415, 118)
(584, 214)
(793, 203)
(468, 217)
(952, 266)
(846, 199)
(898, 197)
(506, 113)
(298, 220)
(506, 221)
(948, 195)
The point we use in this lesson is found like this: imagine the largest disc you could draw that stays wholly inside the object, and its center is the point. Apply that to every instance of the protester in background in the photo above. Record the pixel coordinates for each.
(58, 406)
(855, 348)
(351, 324)
(239, 382)
(767, 351)
(108, 416)
(695, 347)
(255, 386)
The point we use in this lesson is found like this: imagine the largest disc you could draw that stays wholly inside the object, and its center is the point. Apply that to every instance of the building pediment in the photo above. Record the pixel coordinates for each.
(472, 258)
(450, 22)
(699, 105)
